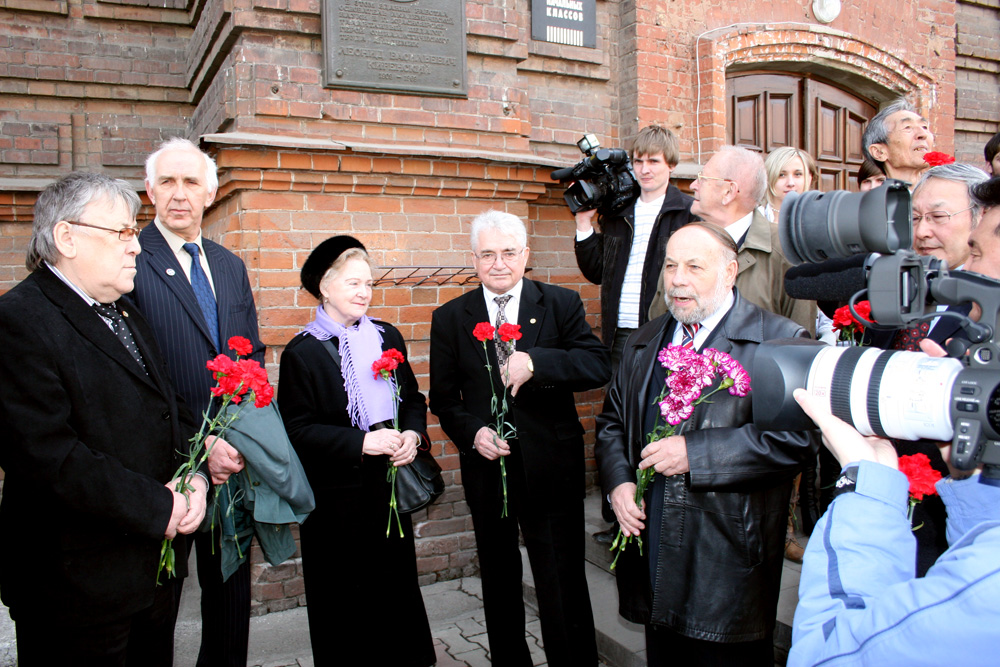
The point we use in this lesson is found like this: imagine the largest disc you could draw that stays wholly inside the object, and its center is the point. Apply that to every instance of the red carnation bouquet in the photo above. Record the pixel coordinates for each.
(235, 380)
(509, 334)
(385, 367)
(936, 158)
(688, 373)
(851, 329)
(922, 477)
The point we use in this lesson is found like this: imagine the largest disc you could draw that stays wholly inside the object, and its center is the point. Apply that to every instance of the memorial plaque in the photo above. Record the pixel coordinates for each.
(413, 46)
(572, 22)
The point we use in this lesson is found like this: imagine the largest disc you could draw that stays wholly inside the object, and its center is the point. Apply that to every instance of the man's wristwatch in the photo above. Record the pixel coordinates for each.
(531, 365)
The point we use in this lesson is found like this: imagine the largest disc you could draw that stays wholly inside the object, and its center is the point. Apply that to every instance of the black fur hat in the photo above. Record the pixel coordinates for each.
(322, 258)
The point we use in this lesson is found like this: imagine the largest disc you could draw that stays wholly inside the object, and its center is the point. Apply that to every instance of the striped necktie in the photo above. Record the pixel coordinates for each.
(690, 331)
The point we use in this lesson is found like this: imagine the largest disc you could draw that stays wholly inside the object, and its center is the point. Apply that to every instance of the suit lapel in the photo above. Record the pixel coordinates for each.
(475, 312)
(530, 314)
(166, 268)
(89, 324)
(223, 295)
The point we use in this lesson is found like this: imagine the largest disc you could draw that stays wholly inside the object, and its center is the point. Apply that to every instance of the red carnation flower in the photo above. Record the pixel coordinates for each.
(936, 158)
(509, 332)
(483, 332)
(917, 468)
(387, 363)
(240, 345)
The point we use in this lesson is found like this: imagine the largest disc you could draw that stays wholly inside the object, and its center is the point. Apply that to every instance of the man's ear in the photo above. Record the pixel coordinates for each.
(211, 198)
(879, 151)
(732, 268)
(65, 240)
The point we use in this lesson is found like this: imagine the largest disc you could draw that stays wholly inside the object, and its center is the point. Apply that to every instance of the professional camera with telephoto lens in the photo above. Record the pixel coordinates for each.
(603, 180)
(888, 393)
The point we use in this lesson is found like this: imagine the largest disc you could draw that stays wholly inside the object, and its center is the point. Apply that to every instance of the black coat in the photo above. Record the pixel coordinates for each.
(603, 256)
(89, 443)
(567, 357)
(723, 524)
(353, 573)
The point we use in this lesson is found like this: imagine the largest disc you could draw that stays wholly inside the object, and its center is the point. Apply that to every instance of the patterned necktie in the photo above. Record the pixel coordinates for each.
(109, 312)
(203, 292)
(690, 331)
(909, 339)
(503, 349)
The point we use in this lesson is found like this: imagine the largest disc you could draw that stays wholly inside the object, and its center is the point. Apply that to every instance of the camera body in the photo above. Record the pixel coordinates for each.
(603, 180)
(888, 393)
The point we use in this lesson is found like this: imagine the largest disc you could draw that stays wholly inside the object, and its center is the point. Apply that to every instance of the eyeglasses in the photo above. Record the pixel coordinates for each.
(124, 234)
(489, 257)
(937, 217)
(701, 177)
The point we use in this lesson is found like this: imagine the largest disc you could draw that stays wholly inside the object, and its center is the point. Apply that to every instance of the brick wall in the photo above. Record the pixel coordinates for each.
(977, 78)
(95, 84)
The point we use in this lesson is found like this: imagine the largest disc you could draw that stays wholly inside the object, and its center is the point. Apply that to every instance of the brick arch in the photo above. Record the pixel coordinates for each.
(837, 56)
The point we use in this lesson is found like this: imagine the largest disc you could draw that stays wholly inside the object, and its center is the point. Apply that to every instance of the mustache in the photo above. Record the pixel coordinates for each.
(675, 292)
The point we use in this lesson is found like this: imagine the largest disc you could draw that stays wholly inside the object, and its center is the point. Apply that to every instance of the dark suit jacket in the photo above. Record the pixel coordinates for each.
(89, 442)
(567, 357)
(169, 303)
(945, 328)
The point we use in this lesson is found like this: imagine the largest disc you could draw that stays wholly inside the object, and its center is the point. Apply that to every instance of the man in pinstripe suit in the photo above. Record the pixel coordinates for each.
(196, 295)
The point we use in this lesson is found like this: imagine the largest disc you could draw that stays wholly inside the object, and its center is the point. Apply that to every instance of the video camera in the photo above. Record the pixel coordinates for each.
(603, 180)
(888, 393)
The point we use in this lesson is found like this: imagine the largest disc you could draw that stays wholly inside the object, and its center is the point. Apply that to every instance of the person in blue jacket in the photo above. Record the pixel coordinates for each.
(860, 602)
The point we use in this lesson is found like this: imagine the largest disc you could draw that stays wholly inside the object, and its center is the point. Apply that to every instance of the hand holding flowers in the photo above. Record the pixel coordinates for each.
(688, 373)
(235, 379)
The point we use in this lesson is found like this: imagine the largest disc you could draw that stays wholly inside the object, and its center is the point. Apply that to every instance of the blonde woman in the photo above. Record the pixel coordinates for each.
(788, 170)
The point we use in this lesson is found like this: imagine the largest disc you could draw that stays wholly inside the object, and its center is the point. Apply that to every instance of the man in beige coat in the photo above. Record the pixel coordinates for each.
(726, 193)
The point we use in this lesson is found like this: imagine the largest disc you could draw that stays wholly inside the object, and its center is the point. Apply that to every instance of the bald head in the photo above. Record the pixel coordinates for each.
(699, 271)
(730, 186)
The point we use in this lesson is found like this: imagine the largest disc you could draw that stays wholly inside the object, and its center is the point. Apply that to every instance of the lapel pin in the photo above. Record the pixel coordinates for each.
(532, 320)
(124, 313)
(170, 272)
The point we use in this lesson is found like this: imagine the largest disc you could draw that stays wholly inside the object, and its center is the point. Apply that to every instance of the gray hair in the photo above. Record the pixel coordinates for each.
(66, 199)
(958, 172)
(505, 223)
(746, 169)
(877, 130)
(211, 170)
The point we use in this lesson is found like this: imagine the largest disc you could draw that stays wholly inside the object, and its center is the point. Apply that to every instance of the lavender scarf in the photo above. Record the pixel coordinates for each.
(369, 400)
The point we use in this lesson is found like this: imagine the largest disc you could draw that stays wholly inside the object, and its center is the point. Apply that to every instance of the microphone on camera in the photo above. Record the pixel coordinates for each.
(833, 280)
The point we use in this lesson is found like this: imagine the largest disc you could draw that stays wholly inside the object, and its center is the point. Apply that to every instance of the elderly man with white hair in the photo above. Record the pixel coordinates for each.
(540, 486)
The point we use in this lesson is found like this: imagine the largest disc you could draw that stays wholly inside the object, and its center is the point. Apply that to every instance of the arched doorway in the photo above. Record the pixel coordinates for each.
(765, 111)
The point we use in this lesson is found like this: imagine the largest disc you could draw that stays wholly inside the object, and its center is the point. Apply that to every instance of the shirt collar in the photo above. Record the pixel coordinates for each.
(83, 295)
(740, 227)
(176, 242)
(514, 292)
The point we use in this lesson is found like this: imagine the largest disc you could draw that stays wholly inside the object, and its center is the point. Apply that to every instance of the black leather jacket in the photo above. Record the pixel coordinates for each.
(603, 256)
(723, 523)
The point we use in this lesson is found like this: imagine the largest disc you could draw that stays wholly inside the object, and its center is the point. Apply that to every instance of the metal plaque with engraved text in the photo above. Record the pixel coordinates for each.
(414, 46)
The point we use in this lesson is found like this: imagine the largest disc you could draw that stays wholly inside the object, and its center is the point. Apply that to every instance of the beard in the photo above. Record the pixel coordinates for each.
(705, 305)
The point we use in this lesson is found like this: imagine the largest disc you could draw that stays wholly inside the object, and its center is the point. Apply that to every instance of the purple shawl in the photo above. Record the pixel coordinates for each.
(369, 400)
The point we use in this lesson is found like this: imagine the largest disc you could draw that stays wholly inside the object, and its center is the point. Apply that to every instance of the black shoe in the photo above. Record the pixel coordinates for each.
(606, 536)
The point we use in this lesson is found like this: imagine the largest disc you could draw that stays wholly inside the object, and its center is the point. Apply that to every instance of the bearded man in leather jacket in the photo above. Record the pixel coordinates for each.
(713, 521)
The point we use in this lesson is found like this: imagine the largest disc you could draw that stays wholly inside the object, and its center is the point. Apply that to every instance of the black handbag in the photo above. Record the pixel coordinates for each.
(419, 483)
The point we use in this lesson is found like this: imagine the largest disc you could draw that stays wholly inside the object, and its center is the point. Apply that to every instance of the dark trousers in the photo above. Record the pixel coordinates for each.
(225, 607)
(144, 639)
(555, 544)
(665, 647)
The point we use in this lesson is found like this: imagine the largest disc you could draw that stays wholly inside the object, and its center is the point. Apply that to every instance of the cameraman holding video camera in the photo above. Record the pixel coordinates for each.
(860, 601)
(626, 257)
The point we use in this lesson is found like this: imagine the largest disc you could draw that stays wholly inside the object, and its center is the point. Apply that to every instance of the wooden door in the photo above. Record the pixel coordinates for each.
(768, 111)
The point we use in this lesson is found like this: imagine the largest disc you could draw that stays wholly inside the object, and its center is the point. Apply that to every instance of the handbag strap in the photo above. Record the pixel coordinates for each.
(332, 349)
